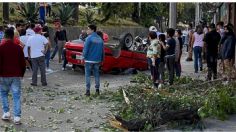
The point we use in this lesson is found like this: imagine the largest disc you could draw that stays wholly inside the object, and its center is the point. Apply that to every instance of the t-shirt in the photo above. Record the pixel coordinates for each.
(172, 43)
(24, 40)
(29, 31)
(212, 40)
(16, 41)
(61, 35)
(37, 45)
(198, 39)
(1, 35)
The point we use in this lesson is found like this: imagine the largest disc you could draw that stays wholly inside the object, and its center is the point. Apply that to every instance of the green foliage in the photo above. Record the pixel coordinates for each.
(10, 128)
(12, 11)
(203, 99)
(29, 11)
(220, 103)
(185, 12)
(64, 13)
(150, 11)
(141, 78)
(88, 14)
(110, 10)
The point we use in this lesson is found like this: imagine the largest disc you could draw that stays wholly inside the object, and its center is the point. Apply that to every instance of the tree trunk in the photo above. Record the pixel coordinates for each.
(5, 12)
(76, 12)
(135, 14)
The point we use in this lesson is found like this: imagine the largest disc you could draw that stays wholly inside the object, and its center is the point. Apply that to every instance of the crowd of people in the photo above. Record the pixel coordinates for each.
(207, 43)
(27, 46)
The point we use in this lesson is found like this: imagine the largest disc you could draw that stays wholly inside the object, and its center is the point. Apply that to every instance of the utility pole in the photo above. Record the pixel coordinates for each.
(139, 9)
(197, 14)
(5, 12)
(172, 15)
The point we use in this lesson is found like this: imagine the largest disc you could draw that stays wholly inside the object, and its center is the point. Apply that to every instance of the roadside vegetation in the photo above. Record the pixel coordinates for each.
(182, 106)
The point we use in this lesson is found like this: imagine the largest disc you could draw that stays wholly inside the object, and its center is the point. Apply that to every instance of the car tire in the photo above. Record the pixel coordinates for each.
(126, 41)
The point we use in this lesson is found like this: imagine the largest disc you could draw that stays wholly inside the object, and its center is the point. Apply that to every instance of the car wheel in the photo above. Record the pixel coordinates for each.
(126, 40)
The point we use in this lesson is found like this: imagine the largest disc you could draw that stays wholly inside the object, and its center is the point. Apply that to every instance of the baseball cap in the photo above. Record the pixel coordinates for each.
(37, 28)
(153, 28)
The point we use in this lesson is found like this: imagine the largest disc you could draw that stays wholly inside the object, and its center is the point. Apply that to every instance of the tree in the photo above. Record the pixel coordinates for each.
(135, 15)
(185, 12)
(5, 11)
(29, 11)
(122, 10)
(75, 15)
(64, 13)
(208, 10)
(152, 11)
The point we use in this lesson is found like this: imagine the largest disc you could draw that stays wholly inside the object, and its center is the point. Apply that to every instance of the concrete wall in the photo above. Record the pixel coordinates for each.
(74, 32)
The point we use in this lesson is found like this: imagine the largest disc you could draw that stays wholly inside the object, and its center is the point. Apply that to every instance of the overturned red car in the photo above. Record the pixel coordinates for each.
(117, 56)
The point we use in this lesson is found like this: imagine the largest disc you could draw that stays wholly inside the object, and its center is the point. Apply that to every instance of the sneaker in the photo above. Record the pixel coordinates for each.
(201, 69)
(69, 65)
(189, 59)
(44, 84)
(160, 86)
(17, 120)
(63, 69)
(87, 93)
(48, 70)
(6, 116)
(97, 92)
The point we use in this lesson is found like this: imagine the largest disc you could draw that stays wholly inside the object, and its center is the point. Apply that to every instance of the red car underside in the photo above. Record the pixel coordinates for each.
(127, 59)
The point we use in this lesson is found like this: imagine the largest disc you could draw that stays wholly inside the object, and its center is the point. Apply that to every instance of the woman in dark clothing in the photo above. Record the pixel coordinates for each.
(178, 70)
(228, 49)
(60, 38)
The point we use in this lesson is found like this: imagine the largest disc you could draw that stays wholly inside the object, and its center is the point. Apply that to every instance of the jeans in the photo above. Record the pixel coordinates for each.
(47, 58)
(197, 57)
(13, 84)
(212, 66)
(177, 69)
(60, 50)
(94, 67)
(39, 63)
(161, 71)
(54, 51)
(65, 60)
(154, 69)
(170, 63)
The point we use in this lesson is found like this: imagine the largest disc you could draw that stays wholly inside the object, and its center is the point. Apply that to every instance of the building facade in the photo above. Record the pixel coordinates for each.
(226, 12)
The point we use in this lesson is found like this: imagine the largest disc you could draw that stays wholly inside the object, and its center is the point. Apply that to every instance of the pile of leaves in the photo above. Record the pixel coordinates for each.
(186, 103)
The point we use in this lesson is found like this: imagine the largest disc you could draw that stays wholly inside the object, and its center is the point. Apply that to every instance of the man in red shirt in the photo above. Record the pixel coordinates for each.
(12, 69)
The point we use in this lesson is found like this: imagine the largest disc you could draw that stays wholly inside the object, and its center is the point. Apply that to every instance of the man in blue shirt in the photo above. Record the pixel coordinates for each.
(93, 54)
(1, 33)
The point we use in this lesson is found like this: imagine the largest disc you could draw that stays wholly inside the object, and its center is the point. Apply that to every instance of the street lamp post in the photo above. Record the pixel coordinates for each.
(172, 15)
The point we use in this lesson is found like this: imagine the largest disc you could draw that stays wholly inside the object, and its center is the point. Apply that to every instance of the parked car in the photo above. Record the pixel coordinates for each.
(117, 55)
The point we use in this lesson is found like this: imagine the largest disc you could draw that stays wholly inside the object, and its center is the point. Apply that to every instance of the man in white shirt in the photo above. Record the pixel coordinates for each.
(23, 39)
(37, 47)
(30, 30)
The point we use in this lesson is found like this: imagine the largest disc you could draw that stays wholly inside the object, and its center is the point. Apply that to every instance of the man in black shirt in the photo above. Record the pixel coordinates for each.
(170, 54)
(212, 40)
